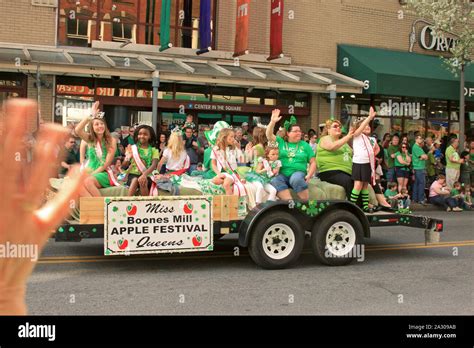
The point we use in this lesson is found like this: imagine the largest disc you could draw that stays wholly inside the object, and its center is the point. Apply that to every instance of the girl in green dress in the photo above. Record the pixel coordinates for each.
(267, 168)
(101, 149)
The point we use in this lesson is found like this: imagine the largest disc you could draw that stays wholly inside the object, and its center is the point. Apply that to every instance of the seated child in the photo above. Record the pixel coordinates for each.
(404, 200)
(456, 194)
(267, 168)
(189, 123)
(466, 195)
(224, 163)
(142, 159)
(176, 161)
(392, 195)
(119, 172)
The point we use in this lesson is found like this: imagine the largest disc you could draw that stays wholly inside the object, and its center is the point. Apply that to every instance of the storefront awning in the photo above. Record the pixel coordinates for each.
(399, 73)
(172, 68)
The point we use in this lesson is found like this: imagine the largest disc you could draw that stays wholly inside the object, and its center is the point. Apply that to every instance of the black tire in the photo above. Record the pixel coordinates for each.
(284, 224)
(345, 237)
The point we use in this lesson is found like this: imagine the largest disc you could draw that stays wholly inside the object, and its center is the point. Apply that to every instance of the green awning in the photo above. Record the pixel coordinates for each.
(400, 73)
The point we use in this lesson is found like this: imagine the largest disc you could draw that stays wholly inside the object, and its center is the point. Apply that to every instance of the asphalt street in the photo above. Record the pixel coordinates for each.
(400, 275)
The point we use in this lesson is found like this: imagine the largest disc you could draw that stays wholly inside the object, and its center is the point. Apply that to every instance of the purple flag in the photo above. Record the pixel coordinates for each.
(205, 27)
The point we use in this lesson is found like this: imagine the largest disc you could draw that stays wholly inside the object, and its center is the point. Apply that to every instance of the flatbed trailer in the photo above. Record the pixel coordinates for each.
(273, 232)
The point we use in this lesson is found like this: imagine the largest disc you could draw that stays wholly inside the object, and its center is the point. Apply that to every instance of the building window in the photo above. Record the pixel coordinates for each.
(123, 32)
(228, 95)
(12, 86)
(77, 32)
(137, 21)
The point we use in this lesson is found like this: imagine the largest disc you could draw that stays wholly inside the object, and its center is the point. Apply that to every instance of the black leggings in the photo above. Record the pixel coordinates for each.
(338, 177)
(343, 179)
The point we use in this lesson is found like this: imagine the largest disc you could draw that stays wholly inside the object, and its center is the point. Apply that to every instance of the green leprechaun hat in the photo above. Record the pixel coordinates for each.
(211, 135)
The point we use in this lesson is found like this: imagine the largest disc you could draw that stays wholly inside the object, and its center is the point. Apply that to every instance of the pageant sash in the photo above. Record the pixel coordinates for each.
(112, 180)
(142, 168)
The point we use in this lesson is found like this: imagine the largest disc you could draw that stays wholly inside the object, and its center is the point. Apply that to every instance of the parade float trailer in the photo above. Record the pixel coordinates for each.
(273, 232)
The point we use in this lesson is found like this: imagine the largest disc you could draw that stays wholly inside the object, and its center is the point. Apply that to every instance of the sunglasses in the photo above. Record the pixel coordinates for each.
(335, 126)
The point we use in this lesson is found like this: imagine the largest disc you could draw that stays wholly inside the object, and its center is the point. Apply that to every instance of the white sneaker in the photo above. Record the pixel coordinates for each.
(457, 209)
(448, 209)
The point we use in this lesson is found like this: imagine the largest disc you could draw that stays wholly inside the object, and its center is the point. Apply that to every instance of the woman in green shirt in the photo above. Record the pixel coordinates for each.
(295, 156)
(334, 157)
(402, 167)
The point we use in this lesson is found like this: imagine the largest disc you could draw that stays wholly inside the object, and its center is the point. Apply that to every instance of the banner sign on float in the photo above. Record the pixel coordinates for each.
(148, 225)
(242, 28)
(276, 30)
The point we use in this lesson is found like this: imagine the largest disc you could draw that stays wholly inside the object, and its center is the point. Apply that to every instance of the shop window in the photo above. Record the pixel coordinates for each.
(301, 100)
(74, 86)
(193, 93)
(72, 109)
(228, 95)
(380, 126)
(115, 88)
(396, 126)
(386, 106)
(171, 119)
(261, 120)
(438, 109)
(350, 109)
(412, 126)
(364, 109)
(4, 96)
(262, 97)
(145, 90)
(208, 120)
(454, 111)
(141, 117)
(454, 128)
(437, 129)
(12, 80)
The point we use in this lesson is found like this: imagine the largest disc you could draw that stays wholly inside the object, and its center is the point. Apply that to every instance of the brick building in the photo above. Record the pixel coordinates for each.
(108, 50)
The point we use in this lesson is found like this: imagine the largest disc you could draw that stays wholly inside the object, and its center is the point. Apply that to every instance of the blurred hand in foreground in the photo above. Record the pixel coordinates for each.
(24, 221)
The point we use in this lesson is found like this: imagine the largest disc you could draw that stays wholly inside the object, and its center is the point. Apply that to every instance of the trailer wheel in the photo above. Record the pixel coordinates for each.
(276, 241)
(335, 238)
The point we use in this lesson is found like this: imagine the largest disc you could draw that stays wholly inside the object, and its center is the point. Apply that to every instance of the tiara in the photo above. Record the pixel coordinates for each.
(176, 130)
(138, 124)
(272, 144)
(100, 115)
(260, 125)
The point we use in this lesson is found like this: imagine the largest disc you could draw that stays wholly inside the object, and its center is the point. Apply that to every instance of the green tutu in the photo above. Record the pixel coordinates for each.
(103, 179)
(207, 187)
(252, 176)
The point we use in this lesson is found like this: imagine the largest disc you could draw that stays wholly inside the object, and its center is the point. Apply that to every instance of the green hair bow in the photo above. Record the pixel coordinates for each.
(290, 123)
